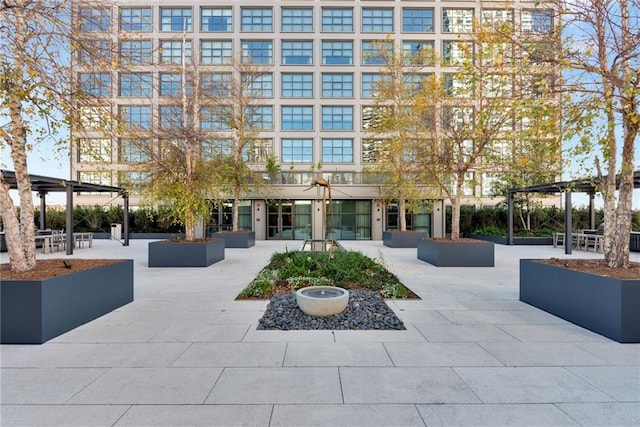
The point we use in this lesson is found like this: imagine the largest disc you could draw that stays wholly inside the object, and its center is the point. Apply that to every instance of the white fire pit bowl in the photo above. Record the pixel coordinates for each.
(322, 300)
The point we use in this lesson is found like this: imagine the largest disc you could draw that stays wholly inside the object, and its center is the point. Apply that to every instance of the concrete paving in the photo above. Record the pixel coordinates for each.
(185, 353)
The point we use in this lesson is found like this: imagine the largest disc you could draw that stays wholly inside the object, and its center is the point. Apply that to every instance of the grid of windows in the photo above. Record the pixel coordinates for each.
(95, 19)
(95, 84)
(136, 52)
(297, 19)
(297, 150)
(136, 19)
(297, 52)
(457, 20)
(376, 52)
(337, 20)
(216, 52)
(215, 118)
(258, 85)
(133, 150)
(337, 85)
(536, 21)
(297, 85)
(171, 117)
(260, 117)
(216, 19)
(216, 85)
(337, 118)
(257, 19)
(417, 20)
(135, 116)
(257, 51)
(171, 51)
(376, 20)
(297, 118)
(135, 85)
(337, 52)
(175, 19)
(337, 150)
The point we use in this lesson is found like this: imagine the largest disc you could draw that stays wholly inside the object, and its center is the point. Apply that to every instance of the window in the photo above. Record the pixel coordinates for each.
(337, 150)
(95, 84)
(537, 21)
(214, 52)
(135, 85)
(257, 85)
(135, 19)
(257, 52)
(260, 117)
(95, 20)
(135, 52)
(457, 118)
(133, 150)
(297, 150)
(458, 86)
(297, 118)
(134, 181)
(377, 20)
(258, 151)
(215, 118)
(296, 85)
(498, 150)
(496, 54)
(489, 182)
(418, 52)
(372, 116)
(95, 118)
(337, 85)
(468, 184)
(374, 150)
(337, 20)
(171, 51)
(337, 118)
(216, 19)
(171, 117)
(94, 52)
(297, 52)
(414, 83)
(215, 148)
(175, 19)
(457, 53)
(337, 53)
(216, 85)
(496, 17)
(170, 84)
(376, 52)
(297, 19)
(257, 19)
(537, 85)
(417, 20)
(457, 20)
(370, 81)
(94, 150)
(497, 86)
(135, 116)
(94, 177)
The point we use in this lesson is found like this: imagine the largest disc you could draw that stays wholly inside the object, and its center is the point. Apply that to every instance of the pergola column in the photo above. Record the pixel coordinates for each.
(43, 210)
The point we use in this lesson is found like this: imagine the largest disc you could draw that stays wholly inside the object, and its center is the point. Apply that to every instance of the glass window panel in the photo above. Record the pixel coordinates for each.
(337, 85)
(257, 51)
(297, 85)
(216, 19)
(297, 118)
(297, 52)
(337, 53)
(337, 150)
(175, 19)
(136, 85)
(377, 20)
(297, 19)
(297, 150)
(457, 20)
(136, 52)
(216, 85)
(337, 118)
(417, 20)
(135, 116)
(171, 51)
(257, 19)
(95, 19)
(135, 19)
(337, 20)
(95, 84)
(94, 150)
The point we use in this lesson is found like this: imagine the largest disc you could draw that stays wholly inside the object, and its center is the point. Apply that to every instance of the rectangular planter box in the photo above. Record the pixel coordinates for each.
(168, 253)
(456, 253)
(402, 239)
(35, 311)
(604, 305)
(237, 239)
(516, 240)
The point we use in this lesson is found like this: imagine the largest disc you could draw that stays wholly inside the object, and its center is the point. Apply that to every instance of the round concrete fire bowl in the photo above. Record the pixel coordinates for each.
(322, 300)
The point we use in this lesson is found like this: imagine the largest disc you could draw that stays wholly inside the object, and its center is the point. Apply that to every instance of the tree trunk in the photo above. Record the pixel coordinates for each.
(455, 217)
(402, 213)
(235, 211)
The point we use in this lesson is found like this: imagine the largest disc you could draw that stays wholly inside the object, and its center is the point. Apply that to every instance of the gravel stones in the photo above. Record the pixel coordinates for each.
(366, 310)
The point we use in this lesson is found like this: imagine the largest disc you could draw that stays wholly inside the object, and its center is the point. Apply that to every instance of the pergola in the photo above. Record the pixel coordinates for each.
(44, 185)
(587, 185)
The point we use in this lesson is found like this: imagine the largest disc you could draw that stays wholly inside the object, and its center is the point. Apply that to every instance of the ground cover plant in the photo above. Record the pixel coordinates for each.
(290, 271)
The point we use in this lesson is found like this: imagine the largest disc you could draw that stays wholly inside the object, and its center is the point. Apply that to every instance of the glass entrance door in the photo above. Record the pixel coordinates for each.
(289, 220)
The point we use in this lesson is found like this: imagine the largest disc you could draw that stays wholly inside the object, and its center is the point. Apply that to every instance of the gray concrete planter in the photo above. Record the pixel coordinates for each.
(516, 240)
(182, 253)
(237, 239)
(35, 311)
(448, 253)
(604, 305)
(402, 239)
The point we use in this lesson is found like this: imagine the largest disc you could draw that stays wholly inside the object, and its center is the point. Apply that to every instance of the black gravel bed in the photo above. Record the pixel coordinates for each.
(366, 310)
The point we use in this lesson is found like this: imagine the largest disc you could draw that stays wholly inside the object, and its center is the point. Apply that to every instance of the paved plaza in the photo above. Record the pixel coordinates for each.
(185, 353)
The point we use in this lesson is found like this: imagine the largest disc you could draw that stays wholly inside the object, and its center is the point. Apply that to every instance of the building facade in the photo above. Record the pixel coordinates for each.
(316, 95)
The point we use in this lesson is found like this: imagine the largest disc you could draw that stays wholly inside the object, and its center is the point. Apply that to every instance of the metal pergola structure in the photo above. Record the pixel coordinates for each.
(44, 184)
(587, 185)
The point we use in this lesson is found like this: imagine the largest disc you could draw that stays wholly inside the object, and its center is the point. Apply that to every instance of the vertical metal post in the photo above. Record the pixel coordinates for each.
(69, 236)
(510, 195)
(592, 211)
(43, 210)
(568, 226)
(125, 224)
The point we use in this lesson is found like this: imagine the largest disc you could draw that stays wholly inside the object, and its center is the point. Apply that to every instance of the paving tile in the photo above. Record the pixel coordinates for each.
(196, 415)
(422, 316)
(202, 332)
(254, 335)
(565, 332)
(96, 333)
(277, 385)
(481, 317)
(44, 385)
(622, 383)
(346, 415)
(604, 414)
(336, 354)
(464, 333)
(61, 415)
(150, 386)
(232, 355)
(404, 385)
(529, 385)
(614, 353)
(494, 415)
(440, 354)
(541, 354)
(411, 334)
(245, 317)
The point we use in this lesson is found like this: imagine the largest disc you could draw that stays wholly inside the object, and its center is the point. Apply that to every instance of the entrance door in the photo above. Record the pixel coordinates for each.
(289, 220)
